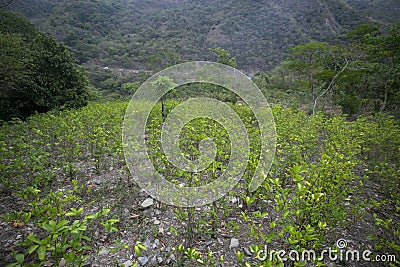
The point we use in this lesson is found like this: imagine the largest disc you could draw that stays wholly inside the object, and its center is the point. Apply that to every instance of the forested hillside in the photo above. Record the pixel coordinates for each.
(152, 34)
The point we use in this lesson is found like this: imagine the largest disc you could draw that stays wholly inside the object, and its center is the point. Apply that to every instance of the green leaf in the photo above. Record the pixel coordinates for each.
(20, 258)
(41, 252)
(34, 239)
(286, 213)
(32, 249)
(138, 252)
(142, 247)
(74, 212)
(47, 227)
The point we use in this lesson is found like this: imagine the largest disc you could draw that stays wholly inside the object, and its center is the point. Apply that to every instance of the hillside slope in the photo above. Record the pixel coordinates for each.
(151, 34)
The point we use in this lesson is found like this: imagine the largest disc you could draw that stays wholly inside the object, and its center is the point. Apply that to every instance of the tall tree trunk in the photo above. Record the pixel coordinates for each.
(330, 86)
(385, 98)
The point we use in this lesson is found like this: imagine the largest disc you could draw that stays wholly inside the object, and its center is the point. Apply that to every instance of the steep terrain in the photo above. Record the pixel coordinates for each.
(152, 34)
(381, 10)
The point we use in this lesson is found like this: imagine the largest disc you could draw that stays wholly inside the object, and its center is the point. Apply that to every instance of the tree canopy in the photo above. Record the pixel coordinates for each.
(37, 74)
(360, 74)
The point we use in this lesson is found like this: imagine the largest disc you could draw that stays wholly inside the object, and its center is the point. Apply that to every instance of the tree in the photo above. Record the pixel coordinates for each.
(307, 61)
(224, 57)
(361, 73)
(163, 84)
(374, 74)
(37, 74)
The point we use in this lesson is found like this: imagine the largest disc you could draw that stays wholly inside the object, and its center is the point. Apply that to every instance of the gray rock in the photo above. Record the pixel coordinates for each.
(147, 243)
(160, 260)
(172, 257)
(62, 263)
(247, 252)
(153, 261)
(3, 209)
(126, 212)
(143, 260)
(234, 243)
(156, 243)
(156, 222)
(128, 263)
(147, 203)
(147, 212)
(103, 252)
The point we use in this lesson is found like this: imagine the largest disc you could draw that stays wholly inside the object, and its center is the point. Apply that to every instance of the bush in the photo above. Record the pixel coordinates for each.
(37, 74)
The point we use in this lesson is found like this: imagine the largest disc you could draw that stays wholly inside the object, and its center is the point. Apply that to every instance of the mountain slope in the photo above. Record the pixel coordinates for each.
(151, 34)
(381, 10)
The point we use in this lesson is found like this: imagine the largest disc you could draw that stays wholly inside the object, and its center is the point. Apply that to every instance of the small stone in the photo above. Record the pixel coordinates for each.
(234, 243)
(247, 252)
(103, 238)
(3, 209)
(153, 261)
(143, 260)
(156, 243)
(147, 243)
(103, 252)
(172, 257)
(125, 213)
(128, 263)
(147, 203)
(160, 231)
(156, 222)
(62, 263)
(160, 260)
(147, 212)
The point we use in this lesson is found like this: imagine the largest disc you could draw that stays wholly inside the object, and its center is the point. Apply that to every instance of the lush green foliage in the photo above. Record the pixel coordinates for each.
(117, 39)
(154, 34)
(37, 74)
(328, 174)
(315, 186)
(43, 153)
(360, 76)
